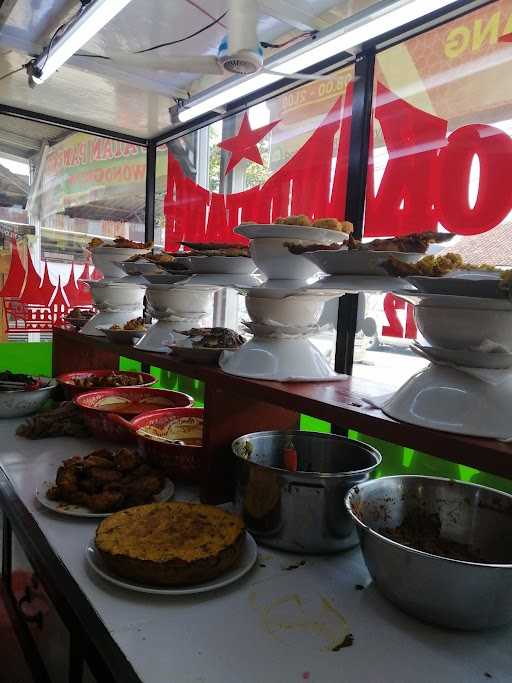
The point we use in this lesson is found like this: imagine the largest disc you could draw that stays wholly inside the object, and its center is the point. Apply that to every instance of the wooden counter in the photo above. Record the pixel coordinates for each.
(235, 405)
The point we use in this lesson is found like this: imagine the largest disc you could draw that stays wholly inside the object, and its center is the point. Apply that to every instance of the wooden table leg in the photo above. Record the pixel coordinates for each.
(228, 416)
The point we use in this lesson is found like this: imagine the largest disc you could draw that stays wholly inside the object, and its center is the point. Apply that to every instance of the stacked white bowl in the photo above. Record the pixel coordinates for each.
(176, 307)
(467, 388)
(283, 312)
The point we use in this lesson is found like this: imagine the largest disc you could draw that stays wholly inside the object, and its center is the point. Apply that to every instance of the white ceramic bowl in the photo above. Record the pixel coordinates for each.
(294, 310)
(180, 301)
(282, 360)
(116, 295)
(235, 265)
(353, 262)
(276, 262)
(449, 400)
(108, 259)
(462, 328)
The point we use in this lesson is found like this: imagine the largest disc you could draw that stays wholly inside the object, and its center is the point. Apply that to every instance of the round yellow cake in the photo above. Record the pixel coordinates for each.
(170, 544)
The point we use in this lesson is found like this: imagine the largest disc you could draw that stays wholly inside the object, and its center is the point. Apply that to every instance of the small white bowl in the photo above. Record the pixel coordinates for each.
(462, 328)
(108, 259)
(291, 311)
(273, 258)
(116, 295)
(180, 302)
(229, 265)
(450, 400)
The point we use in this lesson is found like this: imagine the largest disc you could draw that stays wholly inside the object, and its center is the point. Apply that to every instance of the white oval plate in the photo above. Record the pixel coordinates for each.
(292, 232)
(245, 563)
(479, 285)
(78, 511)
(464, 357)
(357, 262)
(453, 301)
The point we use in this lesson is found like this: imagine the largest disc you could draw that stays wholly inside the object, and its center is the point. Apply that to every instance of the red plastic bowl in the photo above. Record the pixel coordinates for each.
(101, 411)
(179, 462)
(71, 390)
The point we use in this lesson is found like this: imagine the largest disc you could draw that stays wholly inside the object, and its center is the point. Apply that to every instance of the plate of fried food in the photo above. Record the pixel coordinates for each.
(147, 264)
(103, 482)
(77, 317)
(449, 274)
(354, 257)
(220, 258)
(108, 256)
(125, 334)
(206, 344)
(300, 227)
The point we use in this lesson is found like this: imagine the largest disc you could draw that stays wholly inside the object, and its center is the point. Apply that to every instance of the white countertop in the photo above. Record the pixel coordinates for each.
(273, 626)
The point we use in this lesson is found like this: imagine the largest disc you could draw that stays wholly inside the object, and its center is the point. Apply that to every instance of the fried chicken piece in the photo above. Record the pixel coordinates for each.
(53, 493)
(301, 220)
(299, 248)
(67, 476)
(105, 476)
(95, 242)
(124, 243)
(70, 462)
(397, 268)
(142, 490)
(333, 224)
(136, 324)
(106, 502)
(89, 485)
(126, 460)
(99, 460)
(141, 471)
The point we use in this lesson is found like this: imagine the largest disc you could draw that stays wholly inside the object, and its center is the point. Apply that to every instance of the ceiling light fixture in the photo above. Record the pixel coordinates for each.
(89, 20)
(360, 28)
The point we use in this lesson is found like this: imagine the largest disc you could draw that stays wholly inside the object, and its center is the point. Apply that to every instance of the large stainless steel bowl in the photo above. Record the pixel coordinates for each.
(302, 511)
(453, 593)
(20, 403)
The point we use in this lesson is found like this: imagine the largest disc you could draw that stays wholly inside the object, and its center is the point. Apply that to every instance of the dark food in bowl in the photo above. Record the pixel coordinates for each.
(114, 379)
(439, 549)
(17, 381)
(423, 532)
(104, 481)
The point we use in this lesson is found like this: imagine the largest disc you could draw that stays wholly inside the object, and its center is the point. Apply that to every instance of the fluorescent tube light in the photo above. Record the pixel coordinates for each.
(354, 32)
(79, 31)
(212, 102)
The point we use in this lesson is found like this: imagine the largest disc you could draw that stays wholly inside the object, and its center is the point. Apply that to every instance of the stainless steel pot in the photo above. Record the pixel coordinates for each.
(454, 593)
(302, 511)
